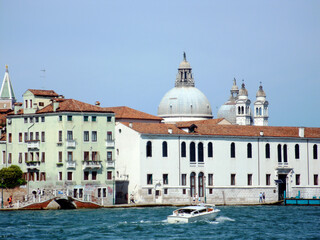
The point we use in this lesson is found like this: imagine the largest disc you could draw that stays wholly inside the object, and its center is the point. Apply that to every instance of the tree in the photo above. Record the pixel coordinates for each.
(11, 176)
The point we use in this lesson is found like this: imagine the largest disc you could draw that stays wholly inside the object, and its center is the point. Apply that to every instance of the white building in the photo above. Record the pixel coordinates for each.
(219, 160)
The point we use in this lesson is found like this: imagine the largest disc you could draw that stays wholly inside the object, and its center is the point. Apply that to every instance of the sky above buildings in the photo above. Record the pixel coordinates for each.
(126, 53)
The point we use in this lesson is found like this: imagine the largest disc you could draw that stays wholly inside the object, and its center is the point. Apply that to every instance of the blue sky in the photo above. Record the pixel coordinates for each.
(126, 53)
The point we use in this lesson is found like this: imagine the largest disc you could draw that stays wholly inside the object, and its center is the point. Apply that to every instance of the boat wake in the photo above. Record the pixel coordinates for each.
(222, 219)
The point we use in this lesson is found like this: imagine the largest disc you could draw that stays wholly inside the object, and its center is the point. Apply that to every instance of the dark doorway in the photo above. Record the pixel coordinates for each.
(282, 183)
(121, 192)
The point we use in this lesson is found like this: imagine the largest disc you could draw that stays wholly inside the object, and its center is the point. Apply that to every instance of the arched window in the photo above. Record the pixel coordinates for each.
(200, 184)
(267, 150)
(164, 149)
(192, 184)
(260, 111)
(200, 152)
(232, 150)
(239, 110)
(285, 153)
(279, 153)
(257, 111)
(297, 151)
(315, 151)
(249, 150)
(183, 149)
(242, 110)
(192, 152)
(210, 149)
(149, 149)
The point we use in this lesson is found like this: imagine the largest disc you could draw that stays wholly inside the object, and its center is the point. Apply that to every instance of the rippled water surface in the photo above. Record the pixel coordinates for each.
(256, 222)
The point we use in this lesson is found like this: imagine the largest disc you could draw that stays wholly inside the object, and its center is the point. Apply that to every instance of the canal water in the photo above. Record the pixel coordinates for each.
(234, 222)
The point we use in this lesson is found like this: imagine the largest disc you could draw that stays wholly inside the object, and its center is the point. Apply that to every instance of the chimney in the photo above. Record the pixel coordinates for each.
(55, 105)
(301, 132)
(97, 103)
(170, 130)
(130, 124)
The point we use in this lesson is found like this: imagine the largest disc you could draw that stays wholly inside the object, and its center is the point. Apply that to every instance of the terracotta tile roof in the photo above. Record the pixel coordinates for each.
(208, 121)
(226, 130)
(44, 93)
(154, 128)
(71, 105)
(129, 113)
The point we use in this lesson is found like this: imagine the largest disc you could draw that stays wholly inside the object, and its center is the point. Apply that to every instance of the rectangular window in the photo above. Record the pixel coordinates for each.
(297, 179)
(31, 156)
(43, 137)
(43, 157)
(37, 176)
(69, 174)
(184, 179)
(94, 175)
(165, 179)
(86, 175)
(31, 120)
(86, 156)
(20, 137)
(60, 156)
(233, 179)
(60, 136)
(10, 158)
(70, 156)
(109, 119)
(109, 175)
(31, 136)
(37, 119)
(249, 179)
(69, 135)
(94, 156)
(149, 178)
(85, 118)
(10, 137)
(99, 192)
(4, 157)
(150, 191)
(109, 156)
(109, 136)
(60, 118)
(42, 119)
(69, 118)
(30, 103)
(94, 118)
(41, 104)
(37, 136)
(25, 136)
(20, 157)
(42, 176)
(165, 191)
(104, 192)
(26, 157)
(315, 179)
(210, 190)
(86, 136)
(268, 177)
(37, 156)
(184, 191)
(158, 193)
(25, 120)
(210, 179)
(94, 136)
(60, 176)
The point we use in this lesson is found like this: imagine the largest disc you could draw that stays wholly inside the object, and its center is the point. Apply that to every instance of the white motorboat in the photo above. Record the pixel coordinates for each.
(193, 213)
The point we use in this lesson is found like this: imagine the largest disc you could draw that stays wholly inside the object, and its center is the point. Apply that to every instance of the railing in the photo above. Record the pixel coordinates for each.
(71, 164)
(283, 164)
(33, 144)
(110, 163)
(33, 164)
(71, 143)
(110, 143)
(91, 164)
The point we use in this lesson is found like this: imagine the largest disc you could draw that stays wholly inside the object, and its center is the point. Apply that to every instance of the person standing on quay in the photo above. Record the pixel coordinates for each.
(264, 197)
(260, 197)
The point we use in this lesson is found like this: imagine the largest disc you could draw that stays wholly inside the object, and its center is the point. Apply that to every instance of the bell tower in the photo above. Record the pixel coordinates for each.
(7, 97)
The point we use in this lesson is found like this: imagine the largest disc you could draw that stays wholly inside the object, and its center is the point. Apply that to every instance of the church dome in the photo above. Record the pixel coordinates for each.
(260, 92)
(228, 111)
(184, 102)
(243, 91)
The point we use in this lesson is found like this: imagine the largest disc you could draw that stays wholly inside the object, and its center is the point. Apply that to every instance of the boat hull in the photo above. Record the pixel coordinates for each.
(188, 218)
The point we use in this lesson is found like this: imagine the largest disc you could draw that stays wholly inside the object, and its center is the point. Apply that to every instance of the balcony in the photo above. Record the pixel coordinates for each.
(33, 165)
(110, 163)
(33, 144)
(71, 164)
(110, 143)
(71, 143)
(91, 164)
